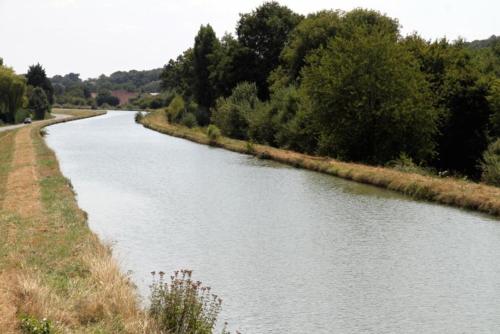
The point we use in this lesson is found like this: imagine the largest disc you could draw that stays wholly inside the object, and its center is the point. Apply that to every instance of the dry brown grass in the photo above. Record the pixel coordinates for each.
(449, 191)
(51, 265)
(22, 183)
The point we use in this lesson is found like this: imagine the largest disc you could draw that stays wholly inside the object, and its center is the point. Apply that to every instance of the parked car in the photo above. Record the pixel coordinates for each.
(27, 120)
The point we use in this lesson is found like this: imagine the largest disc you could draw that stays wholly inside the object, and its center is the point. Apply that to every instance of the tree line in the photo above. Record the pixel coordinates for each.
(22, 96)
(343, 84)
(71, 90)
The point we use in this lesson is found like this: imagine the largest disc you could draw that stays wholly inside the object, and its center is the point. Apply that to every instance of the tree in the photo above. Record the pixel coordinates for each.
(490, 165)
(310, 34)
(178, 75)
(494, 101)
(38, 103)
(461, 93)
(36, 77)
(12, 90)
(205, 45)
(369, 100)
(106, 97)
(264, 32)
(233, 63)
(232, 115)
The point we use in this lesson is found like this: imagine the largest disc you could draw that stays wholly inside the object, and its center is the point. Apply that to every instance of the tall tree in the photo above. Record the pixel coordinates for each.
(461, 92)
(265, 31)
(178, 74)
(233, 63)
(205, 45)
(369, 99)
(310, 34)
(37, 77)
(39, 103)
(12, 89)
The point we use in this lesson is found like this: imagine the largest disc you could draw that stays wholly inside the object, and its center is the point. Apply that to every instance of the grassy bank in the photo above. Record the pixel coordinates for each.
(51, 265)
(449, 191)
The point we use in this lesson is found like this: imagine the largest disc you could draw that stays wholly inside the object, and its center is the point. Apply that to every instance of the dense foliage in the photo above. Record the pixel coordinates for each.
(71, 91)
(343, 84)
(12, 93)
(39, 103)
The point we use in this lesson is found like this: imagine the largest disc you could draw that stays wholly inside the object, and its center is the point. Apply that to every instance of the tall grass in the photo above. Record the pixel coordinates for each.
(183, 306)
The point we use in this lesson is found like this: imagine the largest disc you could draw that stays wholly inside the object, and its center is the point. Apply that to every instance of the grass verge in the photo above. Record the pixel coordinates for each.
(449, 191)
(51, 264)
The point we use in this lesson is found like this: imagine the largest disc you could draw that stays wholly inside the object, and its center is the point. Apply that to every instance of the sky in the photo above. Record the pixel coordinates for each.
(92, 37)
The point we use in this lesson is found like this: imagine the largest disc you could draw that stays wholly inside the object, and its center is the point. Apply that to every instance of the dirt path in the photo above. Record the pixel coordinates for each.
(23, 196)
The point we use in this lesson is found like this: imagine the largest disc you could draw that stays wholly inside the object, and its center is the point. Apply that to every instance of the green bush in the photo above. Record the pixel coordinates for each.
(30, 325)
(138, 116)
(232, 115)
(188, 120)
(490, 165)
(175, 109)
(21, 114)
(183, 306)
(213, 133)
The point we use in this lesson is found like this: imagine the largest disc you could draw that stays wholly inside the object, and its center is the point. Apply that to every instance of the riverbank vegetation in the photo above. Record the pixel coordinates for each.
(127, 90)
(346, 85)
(51, 265)
(403, 176)
(23, 96)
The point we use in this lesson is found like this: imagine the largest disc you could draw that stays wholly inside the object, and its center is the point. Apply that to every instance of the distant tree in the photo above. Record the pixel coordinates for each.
(369, 100)
(205, 45)
(264, 31)
(87, 93)
(12, 90)
(58, 89)
(105, 97)
(1, 61)
(38, 103)
(37, 77)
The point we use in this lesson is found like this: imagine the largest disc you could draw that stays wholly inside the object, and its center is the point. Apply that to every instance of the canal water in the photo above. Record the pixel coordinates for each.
(288, 250)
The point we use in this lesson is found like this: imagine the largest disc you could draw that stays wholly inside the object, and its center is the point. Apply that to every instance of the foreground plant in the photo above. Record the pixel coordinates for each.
(183, 306)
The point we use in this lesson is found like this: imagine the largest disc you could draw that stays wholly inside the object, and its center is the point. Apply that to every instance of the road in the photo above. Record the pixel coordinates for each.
(12, 127)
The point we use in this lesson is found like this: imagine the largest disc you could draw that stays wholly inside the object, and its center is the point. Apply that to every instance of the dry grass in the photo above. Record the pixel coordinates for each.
(449, 191)
(51, 264)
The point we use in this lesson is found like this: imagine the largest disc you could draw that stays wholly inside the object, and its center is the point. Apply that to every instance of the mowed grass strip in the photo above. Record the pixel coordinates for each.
(447, 190)
(53, 266)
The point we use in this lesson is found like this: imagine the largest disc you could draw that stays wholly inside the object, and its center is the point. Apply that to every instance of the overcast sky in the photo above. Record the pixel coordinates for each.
(91, 37)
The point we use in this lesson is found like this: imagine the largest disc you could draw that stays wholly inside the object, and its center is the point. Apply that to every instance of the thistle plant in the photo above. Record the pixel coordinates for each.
(183, 306)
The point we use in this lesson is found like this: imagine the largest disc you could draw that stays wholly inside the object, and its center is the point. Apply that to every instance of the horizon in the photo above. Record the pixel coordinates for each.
(144, 37)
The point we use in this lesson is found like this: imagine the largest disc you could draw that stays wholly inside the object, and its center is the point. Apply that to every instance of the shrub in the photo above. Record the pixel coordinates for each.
(21, 114)
(175, 109)
(213, 133)
(138, 116)
(30, 325)
(404, 163)
(490, 165)
(232, 115)
(183, 306)
(189, 120)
